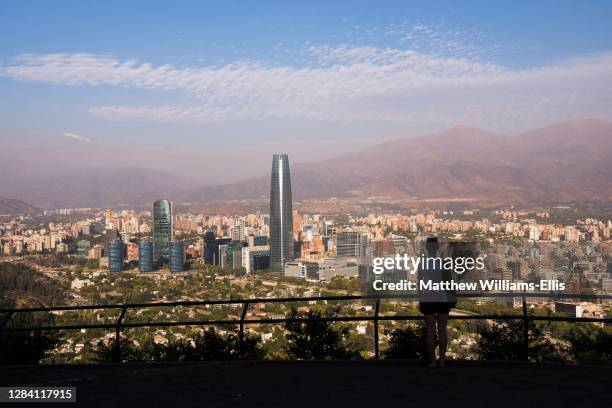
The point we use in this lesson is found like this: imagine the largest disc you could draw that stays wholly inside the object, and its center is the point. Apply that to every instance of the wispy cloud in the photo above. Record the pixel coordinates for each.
(347, 82)
(74, 136)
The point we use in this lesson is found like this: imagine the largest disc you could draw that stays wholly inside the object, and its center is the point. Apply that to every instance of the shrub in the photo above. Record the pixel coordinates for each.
(25, 347)
(504, 340)
(316, 340)
(409, 343)
(590, 344)
(207, 346)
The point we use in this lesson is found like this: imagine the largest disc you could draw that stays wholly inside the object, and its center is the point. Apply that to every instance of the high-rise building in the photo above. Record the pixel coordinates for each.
(82, 248)
(210, 247)
(222, 247)
(222, 255)
(107, 217)
(162, 230)
(255, 258)
(95, 252)
(111, 234)
(351, 244)
(115, 257)
(131, 249)
(281, 214)
(145, 255)
(237, 231)
(176, 255)
(233, 257)
(258, 240)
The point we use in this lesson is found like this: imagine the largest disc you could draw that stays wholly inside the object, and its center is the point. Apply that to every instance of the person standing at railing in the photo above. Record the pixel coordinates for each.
(435, 304)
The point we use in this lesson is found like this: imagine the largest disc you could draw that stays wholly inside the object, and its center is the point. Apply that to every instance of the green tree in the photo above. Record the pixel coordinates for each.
(313, 339)
(25, 347)
(409, 342)
(203, 347)
(504, 340)
(590, 344)
(106, 353)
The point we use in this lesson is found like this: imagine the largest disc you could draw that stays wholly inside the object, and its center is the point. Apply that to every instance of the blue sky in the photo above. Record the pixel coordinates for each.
(186, 85)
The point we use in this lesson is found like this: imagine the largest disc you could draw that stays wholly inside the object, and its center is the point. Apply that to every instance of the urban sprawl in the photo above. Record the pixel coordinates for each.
(160, 254)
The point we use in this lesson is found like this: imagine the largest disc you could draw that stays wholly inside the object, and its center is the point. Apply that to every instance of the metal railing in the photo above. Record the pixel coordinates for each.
(376, 318)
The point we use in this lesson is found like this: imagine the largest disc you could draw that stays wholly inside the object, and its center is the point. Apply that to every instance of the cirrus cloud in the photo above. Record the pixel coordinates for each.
(343, 83)
(78, 138)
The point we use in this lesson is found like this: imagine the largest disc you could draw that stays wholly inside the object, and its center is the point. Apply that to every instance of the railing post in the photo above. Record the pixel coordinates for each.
(117, 356)
(525, 331)
(5, 319)
(376, 353)
(241, 333)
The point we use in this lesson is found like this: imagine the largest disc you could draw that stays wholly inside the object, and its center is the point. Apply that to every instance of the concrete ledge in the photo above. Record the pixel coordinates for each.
(322, 383)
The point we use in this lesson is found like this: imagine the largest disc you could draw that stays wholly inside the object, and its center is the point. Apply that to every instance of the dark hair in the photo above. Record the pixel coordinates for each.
(432, 239)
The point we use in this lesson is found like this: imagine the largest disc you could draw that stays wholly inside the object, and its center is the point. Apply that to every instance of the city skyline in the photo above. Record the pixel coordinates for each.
(163, 93)
(447, 205)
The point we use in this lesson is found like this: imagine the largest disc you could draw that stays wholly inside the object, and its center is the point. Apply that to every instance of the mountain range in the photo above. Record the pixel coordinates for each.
(9, 206)
(568, 161)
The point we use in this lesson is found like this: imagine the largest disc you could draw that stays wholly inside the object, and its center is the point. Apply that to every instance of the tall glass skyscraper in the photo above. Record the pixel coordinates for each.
(162, 230)
(145, 255)
(115, 257)
(281, 214)
(210, 248)
(351, 244)
(234, 255)
(110, 235)
(176, 256)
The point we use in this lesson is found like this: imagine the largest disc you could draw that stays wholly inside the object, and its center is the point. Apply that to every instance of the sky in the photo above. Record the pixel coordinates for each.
(210, 90)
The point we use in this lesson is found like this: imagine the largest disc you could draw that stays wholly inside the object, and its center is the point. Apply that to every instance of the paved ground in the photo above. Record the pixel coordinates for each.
(321, 384)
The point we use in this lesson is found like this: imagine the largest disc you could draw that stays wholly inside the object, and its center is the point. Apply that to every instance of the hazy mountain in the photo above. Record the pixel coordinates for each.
(10, 206)
(562, 162)
(69, 187)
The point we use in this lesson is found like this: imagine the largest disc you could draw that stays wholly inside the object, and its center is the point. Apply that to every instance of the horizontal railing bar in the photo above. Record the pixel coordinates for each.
(180, 303)
(304, 299)
(298, 320)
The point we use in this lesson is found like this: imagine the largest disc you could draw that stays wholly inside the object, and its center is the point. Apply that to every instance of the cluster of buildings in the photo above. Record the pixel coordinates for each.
(16, 238)
(150, 252)
(314, 246)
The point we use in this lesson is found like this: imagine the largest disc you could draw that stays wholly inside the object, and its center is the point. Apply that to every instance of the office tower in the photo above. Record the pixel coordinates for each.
(237, 231)
(210, 247)
(351, 244)
(281, 214)
(222, 255)
(234, 255)
(95, 252)
(131, 250)
(82, 248)
(255, 258)
(259, 240)
(107, 217)
(145, 255)
(162, 230)
(84, 230)
(297, 248)
(110, 235)
(176, 254)
(115, 257)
